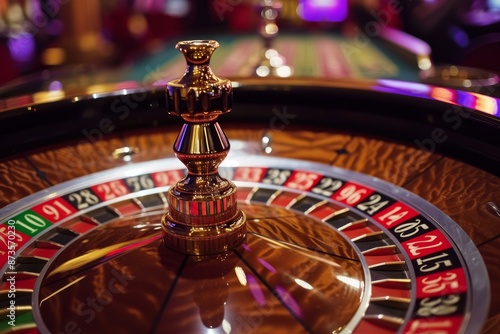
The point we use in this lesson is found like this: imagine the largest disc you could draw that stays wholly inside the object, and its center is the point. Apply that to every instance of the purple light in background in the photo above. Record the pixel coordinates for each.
(459, 36)
(406, 86)
(322, 10)
(161, 83)
(55, 28)
(36, 10)
(22, 47)
(403, 88)
(55, 86)
(466, 99)
(177, 8)
(407, 41)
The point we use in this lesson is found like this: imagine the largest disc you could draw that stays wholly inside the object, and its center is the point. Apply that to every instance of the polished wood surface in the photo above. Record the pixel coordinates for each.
(460, 190)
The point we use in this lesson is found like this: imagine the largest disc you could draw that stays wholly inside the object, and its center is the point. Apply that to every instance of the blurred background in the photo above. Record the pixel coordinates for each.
(75, 36)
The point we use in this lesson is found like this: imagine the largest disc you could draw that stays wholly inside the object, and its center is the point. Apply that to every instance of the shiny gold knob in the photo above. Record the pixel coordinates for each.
(199, 95)
(203, 217)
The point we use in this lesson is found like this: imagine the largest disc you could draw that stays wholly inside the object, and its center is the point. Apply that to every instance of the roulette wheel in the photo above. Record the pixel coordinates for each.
(357, 206)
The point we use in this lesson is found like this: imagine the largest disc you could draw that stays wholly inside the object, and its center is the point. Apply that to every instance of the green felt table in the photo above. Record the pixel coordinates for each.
(324, 55)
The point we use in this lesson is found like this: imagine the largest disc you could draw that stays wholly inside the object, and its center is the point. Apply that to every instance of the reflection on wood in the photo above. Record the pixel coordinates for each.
(460, 190)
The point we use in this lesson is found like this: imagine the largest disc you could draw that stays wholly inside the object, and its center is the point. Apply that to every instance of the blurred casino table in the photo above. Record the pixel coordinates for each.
(329, 55)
